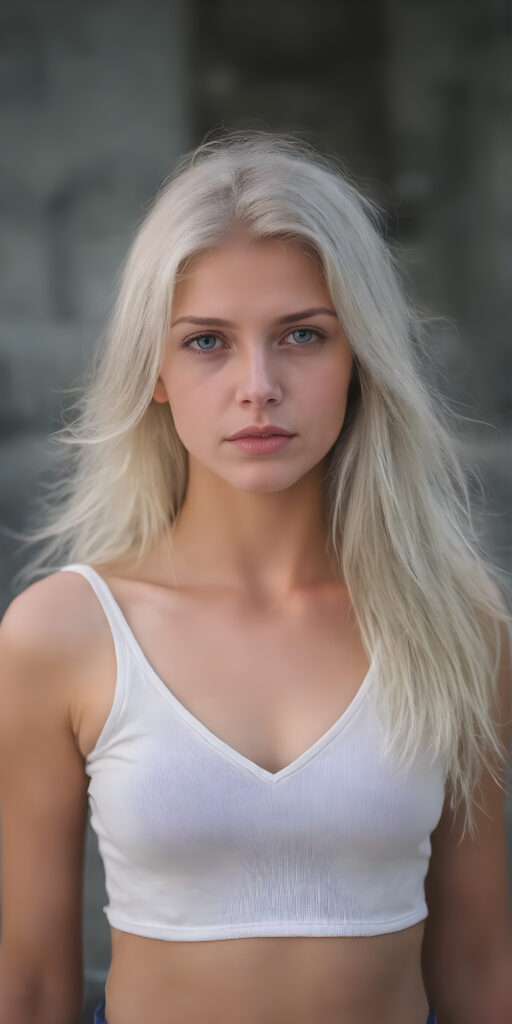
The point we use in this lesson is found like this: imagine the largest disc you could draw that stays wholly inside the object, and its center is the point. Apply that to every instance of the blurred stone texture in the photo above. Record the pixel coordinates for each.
(97, 100)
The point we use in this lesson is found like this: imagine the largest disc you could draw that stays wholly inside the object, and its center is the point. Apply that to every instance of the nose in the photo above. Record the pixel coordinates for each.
(257, 377)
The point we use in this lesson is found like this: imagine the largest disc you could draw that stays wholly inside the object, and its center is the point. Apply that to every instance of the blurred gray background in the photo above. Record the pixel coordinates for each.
(98, 99)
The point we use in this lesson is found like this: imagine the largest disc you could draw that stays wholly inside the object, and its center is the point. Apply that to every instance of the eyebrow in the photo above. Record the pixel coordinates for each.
(286, 319)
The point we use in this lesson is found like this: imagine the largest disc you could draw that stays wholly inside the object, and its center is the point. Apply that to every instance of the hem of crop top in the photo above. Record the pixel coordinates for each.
(238, 931)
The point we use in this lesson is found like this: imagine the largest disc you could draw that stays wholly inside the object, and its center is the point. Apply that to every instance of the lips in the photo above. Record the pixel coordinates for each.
(269, 431)
(266, 445)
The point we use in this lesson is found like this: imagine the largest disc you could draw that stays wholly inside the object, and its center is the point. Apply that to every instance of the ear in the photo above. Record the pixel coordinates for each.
(159, 393)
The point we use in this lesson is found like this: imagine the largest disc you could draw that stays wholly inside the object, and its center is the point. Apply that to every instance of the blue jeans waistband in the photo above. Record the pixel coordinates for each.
(99, 1015)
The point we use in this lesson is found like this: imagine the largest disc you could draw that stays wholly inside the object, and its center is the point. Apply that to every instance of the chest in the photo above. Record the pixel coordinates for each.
(268, 684)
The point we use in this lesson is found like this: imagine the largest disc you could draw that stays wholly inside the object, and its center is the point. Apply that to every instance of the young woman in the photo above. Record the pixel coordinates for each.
(276, 665)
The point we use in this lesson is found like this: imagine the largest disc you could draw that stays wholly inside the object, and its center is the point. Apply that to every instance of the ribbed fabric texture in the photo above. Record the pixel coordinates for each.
(198, 842)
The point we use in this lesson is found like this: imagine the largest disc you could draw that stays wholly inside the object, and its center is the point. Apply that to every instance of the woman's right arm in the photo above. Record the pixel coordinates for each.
(43, 807)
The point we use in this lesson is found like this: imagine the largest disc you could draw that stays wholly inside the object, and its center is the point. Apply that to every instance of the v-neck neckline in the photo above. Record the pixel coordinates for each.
(221, 745)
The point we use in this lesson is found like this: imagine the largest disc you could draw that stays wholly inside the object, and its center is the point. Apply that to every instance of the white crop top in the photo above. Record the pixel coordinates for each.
(198, 842)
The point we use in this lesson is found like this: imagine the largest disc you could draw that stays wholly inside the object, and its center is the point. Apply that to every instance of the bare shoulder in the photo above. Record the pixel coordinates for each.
(51, 616)
(53, 636)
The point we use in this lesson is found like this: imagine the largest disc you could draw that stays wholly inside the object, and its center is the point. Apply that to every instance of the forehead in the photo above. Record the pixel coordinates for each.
(240, 264)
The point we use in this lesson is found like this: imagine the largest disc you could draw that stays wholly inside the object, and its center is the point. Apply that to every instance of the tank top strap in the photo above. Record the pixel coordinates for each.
(113, 614)
(118, 628)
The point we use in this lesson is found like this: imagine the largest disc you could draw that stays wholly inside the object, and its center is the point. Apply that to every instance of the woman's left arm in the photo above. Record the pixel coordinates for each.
(467, 946)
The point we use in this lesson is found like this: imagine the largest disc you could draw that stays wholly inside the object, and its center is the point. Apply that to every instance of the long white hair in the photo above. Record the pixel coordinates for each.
(401, 526)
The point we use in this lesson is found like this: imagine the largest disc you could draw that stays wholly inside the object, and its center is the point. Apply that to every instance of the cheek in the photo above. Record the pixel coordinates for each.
(194, 411)
(328, 391)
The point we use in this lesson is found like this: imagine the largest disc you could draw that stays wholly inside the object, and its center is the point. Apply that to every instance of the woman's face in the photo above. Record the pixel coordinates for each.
(254, 340)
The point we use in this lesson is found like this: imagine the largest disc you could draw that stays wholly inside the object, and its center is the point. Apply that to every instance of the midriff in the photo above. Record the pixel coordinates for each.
(285, 980)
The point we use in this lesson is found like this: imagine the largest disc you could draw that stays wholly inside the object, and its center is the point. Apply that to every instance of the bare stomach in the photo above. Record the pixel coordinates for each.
(285, 980)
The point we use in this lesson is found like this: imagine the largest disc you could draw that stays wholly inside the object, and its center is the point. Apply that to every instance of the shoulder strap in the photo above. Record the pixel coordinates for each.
(113, 613)
(118, 627)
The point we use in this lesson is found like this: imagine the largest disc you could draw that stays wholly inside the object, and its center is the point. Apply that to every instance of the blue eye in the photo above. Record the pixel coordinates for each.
(302, 330)
(199, 337)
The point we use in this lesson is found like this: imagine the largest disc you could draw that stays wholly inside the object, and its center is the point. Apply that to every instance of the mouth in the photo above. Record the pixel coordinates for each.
(261, 445)
(268, 432)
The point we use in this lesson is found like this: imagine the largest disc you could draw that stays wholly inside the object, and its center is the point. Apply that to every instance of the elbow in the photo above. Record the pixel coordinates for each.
(474, 988)
(16, 1007)
(27, 1000)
